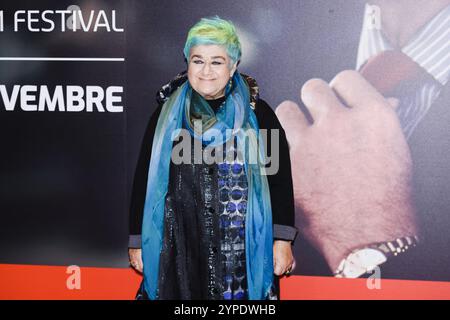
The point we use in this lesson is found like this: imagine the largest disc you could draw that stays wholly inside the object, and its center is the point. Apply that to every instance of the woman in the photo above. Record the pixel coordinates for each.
(207, 230)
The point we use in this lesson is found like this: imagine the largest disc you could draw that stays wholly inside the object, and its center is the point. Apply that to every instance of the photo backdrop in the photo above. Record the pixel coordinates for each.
(74, 106)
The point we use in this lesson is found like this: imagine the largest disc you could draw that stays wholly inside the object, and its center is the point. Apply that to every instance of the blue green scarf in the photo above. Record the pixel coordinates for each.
(237, 116)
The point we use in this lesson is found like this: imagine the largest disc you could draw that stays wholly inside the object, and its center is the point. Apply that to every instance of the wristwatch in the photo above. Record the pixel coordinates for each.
(363, 260)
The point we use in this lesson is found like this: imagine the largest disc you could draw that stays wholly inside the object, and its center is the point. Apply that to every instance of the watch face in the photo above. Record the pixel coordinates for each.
(362, 261)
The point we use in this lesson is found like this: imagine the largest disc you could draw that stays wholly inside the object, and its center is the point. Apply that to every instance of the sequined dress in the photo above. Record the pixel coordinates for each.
(203, 254)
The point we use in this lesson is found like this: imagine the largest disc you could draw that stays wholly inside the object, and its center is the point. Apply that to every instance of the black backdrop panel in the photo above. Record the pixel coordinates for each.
(63, 174)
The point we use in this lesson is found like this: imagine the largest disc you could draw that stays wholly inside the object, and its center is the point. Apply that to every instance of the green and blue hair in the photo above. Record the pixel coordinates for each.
(214, 31)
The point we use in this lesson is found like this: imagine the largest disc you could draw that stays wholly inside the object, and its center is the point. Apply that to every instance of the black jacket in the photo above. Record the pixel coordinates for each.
(280, 184)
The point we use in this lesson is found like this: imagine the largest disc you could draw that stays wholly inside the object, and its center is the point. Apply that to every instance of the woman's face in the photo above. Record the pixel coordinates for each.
(209, 70)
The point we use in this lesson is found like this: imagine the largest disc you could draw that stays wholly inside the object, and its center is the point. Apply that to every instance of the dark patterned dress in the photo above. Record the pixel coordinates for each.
(232, 209)
(203, 250)
(203, 254)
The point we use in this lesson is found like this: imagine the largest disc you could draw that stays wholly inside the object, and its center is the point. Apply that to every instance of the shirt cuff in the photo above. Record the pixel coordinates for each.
(135, 241)
(283, 232)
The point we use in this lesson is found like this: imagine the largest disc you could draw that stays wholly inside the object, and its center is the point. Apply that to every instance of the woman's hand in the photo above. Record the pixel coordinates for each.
(135, 256)
(283, 259)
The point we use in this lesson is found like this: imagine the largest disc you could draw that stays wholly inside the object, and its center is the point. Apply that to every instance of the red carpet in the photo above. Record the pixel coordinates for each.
(50, 282)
